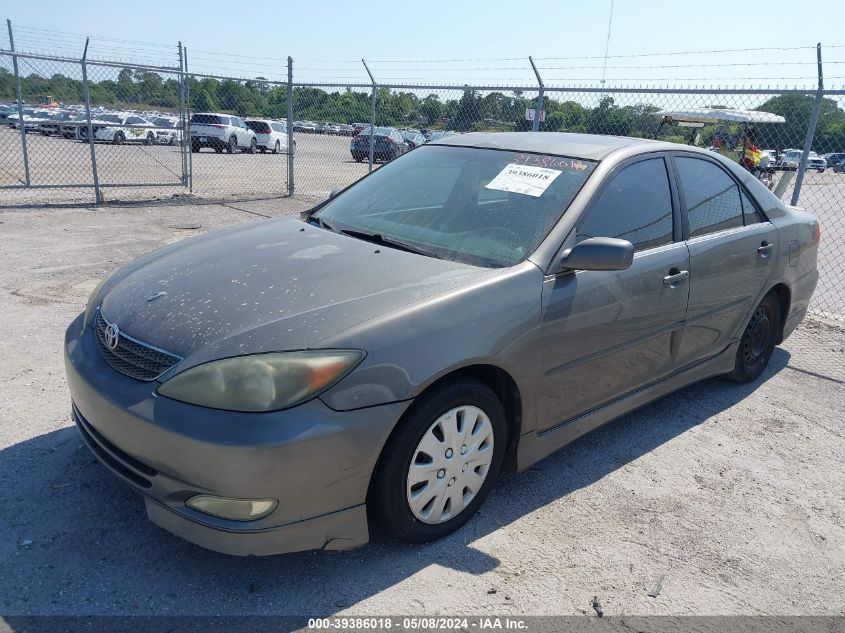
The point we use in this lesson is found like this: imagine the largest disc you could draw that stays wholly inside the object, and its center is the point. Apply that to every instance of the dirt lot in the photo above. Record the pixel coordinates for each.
(720, 499)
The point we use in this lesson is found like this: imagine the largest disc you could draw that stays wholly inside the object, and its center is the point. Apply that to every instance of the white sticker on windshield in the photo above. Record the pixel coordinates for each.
(525, 179)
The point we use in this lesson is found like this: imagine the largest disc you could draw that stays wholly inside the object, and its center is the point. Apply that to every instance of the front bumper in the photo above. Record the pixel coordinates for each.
(317, 462)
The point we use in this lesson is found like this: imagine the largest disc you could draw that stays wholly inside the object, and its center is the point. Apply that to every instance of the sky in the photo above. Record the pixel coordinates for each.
(452, 42)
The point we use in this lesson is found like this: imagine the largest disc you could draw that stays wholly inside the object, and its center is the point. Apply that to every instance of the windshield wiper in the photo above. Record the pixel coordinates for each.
(377, 238)
(321, 223)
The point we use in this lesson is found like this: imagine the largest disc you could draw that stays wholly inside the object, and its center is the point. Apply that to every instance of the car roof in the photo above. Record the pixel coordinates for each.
(587, 146)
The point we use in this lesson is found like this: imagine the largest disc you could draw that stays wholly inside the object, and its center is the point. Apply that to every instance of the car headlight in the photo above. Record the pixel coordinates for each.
(261, 382)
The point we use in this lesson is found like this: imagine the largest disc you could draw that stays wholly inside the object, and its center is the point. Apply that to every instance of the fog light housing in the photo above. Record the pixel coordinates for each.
(233, 509)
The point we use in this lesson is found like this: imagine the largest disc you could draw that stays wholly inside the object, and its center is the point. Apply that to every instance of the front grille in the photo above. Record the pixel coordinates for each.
(132, 357)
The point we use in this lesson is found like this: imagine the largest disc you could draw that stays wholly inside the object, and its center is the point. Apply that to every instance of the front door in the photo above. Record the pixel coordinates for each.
(608, 333)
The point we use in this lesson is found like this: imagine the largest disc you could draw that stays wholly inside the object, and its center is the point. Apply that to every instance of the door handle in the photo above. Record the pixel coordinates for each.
(765, 249)
(675, 277)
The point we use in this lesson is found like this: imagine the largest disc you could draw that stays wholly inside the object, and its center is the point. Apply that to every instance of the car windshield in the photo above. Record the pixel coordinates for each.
(164, 123)
(477, 206)
(111, 118)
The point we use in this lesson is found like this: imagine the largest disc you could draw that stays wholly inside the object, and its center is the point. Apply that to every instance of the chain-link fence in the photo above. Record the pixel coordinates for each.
(99, 131)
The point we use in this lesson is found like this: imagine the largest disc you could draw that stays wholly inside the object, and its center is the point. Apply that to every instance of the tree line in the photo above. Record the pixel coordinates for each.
(469, 110)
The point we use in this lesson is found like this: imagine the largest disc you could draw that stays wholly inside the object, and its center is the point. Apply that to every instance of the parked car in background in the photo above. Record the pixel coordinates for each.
(387, 144)
(270, 135)
(221, 132)
(472, 306)
(789, 160)
(816, 162)
(32, 119)
(167, 130)
(55, 125)
(119, 129)
(835, 158)
(357, 127)
(439, 135)
(413, 139)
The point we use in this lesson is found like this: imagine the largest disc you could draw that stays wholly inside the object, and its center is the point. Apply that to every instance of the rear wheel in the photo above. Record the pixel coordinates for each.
(277, 147)
(150, 140)
(758, 340)
(119, 138)
(253, 146)
(441, 462)
(233, 144)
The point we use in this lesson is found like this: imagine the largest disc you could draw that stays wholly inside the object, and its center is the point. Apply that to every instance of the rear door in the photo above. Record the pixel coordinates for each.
(609, 333)
(732, 249)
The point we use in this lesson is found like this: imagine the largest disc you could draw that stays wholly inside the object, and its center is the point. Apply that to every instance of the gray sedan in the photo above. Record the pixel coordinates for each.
(474, 305)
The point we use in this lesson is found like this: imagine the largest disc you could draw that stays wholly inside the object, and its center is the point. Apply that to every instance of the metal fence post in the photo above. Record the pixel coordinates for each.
(182, 155)
(20, 103)
(87, 97)
(539, 108)
(290, 126)
(811, 129)
(186, 132)
(372, 116)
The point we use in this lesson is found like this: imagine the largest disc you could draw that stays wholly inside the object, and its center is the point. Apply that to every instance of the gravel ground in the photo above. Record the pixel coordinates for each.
(720, 499)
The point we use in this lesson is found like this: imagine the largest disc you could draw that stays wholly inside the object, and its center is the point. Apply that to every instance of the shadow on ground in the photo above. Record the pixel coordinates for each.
(75, 540)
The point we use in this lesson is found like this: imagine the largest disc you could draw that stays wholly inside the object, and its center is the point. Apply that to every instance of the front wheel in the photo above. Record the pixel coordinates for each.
(119, 138)
(441, 462)
(758, 340)
(253, 146)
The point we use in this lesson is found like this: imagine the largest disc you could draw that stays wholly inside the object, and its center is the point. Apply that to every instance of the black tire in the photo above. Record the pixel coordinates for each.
(150, 140)
(253, 146)
(119, 138)
(233, 144)
(172, 141)
(388, 495)
(277, 147)
(758, 340)
(218, 150)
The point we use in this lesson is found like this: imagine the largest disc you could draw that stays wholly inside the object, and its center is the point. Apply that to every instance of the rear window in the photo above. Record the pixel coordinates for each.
(259, 127)
(207, 119)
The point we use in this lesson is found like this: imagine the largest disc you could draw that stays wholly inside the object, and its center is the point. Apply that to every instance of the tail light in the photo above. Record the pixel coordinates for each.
(818, 232)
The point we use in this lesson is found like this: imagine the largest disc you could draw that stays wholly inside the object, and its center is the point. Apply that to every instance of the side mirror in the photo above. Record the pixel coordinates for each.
(598, 253)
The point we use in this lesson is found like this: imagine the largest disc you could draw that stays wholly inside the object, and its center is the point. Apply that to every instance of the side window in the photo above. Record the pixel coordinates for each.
(712, 197)
(636, 206)
(750, 214)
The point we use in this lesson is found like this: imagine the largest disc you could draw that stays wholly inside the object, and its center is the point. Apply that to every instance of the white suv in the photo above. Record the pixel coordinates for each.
(221, 132)
(272, 135)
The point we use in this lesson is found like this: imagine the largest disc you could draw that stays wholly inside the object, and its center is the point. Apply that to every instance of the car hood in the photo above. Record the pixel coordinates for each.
(268, 286)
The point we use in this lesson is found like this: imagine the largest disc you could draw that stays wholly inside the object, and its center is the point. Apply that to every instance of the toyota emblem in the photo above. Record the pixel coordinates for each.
(112, 335)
